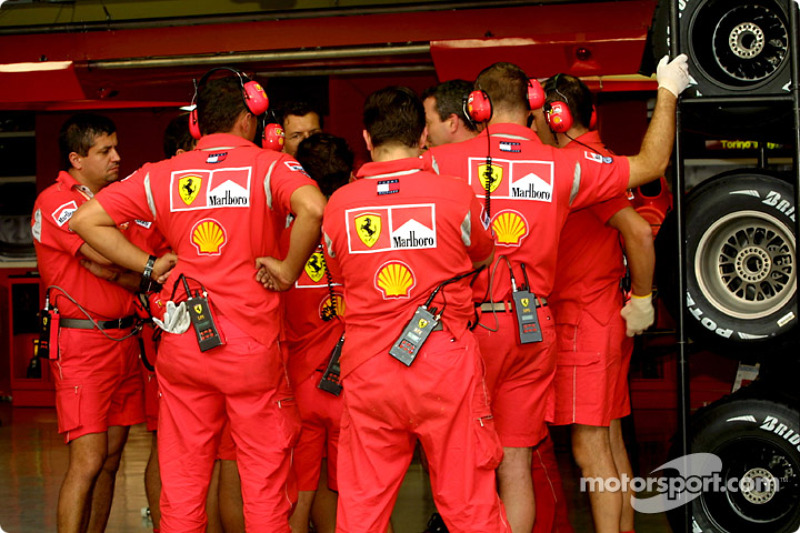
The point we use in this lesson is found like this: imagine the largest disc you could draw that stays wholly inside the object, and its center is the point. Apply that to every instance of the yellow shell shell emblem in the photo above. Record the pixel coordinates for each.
(395, 280)
(340, 305)
(315, 266)
(496, 176)
(509, 228)
(208, 237)
(189, 188)
(368, 228)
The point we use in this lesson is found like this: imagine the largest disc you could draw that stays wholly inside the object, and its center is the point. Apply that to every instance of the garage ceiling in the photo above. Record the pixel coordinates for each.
(128, 54)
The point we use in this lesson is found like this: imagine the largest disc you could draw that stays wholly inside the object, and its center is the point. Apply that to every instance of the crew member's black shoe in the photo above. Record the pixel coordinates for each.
(436, 524)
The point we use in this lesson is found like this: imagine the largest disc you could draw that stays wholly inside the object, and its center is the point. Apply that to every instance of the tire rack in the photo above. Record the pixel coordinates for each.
(679, 186)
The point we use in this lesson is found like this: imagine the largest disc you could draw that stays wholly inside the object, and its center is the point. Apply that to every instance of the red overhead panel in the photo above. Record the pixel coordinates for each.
(39, 82)
(574, 19)
(589, 40)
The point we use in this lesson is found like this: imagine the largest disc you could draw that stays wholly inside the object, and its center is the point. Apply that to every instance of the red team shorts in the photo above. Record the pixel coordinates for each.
(591, 386)
(321, 413)
(519, 377)
(98, 382)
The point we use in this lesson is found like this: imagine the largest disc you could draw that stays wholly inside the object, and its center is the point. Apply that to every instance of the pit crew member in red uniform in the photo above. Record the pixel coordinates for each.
(396, 235)
(313, 310)
(213, 205)
(528, 190)
(444, 113)
(94, 359)
(591, 383)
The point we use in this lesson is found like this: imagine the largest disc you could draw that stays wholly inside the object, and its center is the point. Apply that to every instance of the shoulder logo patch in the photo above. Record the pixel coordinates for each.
(64, 212)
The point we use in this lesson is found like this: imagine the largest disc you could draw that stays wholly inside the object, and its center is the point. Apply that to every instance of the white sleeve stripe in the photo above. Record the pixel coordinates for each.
(329, 244)
(149, 192)
(267, 188)
(576, 183)
(434, 164)
(466, 231)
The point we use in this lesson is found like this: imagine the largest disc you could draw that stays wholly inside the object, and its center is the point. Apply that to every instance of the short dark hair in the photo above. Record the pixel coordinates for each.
(78, 135)
(177, 136)
(450, 97)
(506, 84)
(219, 103)
(297, 108)
(394, 115)
(572, 91)
(327, 159)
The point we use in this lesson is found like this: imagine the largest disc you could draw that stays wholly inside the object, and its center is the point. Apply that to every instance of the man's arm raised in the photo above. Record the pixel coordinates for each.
(653, 157)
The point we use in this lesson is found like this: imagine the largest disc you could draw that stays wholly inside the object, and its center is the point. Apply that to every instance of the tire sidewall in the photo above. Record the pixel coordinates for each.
(724, 195)
(760, 419)
(707, 85)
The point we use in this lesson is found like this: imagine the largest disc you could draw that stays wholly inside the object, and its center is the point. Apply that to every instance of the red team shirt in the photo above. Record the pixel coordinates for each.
(380, 231)
(590, 253)
(201, 209)
(309, 338)
(57, 252)
(534, 188)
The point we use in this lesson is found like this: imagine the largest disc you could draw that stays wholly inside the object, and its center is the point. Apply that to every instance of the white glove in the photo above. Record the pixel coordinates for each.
(673, 75)
(176, 318)
(638, 314)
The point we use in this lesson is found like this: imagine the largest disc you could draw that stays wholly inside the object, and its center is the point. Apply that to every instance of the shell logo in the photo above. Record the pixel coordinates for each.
(395, 280)
(510, 228)
(208, 237)
(326, 304)
(493, 179)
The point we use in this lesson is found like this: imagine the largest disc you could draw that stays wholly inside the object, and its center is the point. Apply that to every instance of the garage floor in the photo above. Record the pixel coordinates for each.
(33, 460)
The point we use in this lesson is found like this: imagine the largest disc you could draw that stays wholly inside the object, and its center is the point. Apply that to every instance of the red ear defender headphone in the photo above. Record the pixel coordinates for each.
(557, 113)
(255, 99)
(593, 120)
(478, 105)
(272, 137)
(558, 116)
(535, 95)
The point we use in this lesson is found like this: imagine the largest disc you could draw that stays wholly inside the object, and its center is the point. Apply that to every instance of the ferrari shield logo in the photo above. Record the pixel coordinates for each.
(315, 266)
(198, 309)
(188, 188)
(525, 301)
(368, 228)
(422, 323)
(493, 179)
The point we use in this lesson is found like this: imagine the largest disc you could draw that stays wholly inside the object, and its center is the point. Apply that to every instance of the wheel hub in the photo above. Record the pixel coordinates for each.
(746, 40)
(758, 485)
(753, 264)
